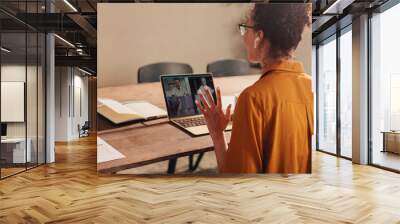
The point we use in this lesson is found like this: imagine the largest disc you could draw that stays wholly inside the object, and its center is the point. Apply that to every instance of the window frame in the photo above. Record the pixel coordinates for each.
(334, 37)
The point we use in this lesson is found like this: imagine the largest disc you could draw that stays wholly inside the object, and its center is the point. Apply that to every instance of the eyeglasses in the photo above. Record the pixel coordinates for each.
(243, 28)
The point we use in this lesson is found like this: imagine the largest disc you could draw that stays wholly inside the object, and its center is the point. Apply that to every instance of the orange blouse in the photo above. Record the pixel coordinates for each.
(273, 124)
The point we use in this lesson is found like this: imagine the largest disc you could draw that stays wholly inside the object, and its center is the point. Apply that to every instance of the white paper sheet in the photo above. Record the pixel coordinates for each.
(142, 108)
(106, 152)
(226, 100)
(115, 106)
(145, 109)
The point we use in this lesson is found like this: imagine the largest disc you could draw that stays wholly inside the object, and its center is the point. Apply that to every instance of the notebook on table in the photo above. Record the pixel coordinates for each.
(121, 112)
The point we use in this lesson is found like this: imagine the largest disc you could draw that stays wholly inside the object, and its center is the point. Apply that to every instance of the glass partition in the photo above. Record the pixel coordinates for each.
(327, 96)
(31, 99)
(22, 77)
(385, 89)
(346, 93)
(14, 153)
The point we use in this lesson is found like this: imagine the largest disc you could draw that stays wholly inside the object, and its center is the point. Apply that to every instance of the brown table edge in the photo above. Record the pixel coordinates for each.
(115, 169)
(140, 124)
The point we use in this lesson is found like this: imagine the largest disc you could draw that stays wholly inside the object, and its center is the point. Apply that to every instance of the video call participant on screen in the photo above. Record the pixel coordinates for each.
(273, 118)
(201, 89)
(178, 96)
(203, 85)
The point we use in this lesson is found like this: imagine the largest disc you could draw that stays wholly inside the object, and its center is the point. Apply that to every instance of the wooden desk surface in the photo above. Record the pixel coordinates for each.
(154, 141)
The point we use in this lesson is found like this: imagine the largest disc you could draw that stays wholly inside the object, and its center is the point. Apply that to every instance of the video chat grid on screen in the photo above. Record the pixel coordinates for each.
(181, 93)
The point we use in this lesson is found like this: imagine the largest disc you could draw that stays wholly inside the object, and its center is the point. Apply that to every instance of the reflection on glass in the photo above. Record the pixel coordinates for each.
(31, 101)
(22, 91)
(327, 97)
(41, 98)
(14, 146)
(385, 103)
(346, 94)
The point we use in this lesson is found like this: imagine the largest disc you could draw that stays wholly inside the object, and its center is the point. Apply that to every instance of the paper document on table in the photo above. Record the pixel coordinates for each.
(120, 112)
(106, 152)
(226, 100)
(146, 109)
(116, 106)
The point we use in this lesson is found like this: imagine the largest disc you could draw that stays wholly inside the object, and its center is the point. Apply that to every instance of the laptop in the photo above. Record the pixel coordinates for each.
(180, 93)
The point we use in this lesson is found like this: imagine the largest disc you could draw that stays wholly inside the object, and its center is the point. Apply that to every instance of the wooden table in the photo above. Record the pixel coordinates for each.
(155, 141)
(391, 141)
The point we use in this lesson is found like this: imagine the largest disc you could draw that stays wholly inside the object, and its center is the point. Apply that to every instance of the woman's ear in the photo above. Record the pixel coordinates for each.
(257, 40)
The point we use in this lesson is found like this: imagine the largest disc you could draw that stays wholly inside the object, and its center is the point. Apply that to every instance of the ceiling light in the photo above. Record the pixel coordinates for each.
(70, 5)
(5, 50)
(64, 40)
(337, 7)
(84, 71)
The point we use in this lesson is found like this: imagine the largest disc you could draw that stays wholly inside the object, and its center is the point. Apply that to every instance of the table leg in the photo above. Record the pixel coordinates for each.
(193, 167)
(172, 166)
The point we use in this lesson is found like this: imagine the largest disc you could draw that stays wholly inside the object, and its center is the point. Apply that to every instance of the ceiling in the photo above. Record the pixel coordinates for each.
(76, 22)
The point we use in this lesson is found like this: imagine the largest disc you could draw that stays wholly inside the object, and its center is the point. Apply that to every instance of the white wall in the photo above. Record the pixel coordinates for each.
(34, 126)
(62, 82)
(71, 93)
(133, 35)
(15, 72)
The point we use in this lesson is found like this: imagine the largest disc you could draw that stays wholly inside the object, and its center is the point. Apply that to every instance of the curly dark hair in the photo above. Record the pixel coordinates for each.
(282, 25)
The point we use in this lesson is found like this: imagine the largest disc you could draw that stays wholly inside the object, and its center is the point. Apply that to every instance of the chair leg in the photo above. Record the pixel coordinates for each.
(190, 162)
(193, 167)
(172, 166)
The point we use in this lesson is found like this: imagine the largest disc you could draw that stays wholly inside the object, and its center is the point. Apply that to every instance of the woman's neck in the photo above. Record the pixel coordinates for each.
(271, 63)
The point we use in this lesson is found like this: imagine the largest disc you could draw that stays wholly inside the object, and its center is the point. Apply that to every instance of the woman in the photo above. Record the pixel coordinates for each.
(273, 118)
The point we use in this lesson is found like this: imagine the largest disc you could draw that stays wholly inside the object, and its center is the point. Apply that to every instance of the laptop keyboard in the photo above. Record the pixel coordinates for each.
(191, 122)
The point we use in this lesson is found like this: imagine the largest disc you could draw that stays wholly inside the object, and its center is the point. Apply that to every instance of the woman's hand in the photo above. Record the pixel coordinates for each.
(217, 120)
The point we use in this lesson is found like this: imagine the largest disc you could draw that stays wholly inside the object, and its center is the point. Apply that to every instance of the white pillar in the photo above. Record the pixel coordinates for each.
(50, 92)
(50, 99)
(360, 90)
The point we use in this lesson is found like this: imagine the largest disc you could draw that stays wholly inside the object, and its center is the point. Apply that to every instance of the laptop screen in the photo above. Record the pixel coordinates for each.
(181, 91)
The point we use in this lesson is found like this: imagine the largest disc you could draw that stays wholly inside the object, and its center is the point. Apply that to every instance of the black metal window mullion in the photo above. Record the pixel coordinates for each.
(69, 92)
(45, 93)
(0, 98)
(369, 89)
(26, 86)
(37, 90)
(338, 94)
(317, 97)
(73, 92)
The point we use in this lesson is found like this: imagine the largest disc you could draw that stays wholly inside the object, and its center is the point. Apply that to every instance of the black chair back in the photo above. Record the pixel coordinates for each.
(152, 72)
(229, 67)
(86, 126)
